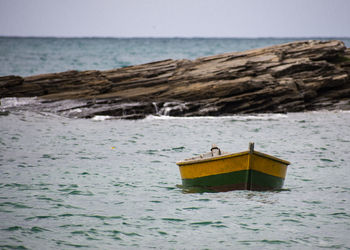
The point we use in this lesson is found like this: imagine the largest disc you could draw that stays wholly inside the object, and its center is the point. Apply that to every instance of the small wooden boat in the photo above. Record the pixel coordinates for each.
(220, 171)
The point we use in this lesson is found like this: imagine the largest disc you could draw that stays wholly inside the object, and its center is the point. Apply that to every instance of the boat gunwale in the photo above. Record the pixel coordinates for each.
(221, 157)
(272, 157)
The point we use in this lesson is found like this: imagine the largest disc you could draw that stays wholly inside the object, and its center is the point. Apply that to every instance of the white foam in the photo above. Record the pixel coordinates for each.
(77, 110)
(10, 102)
(259, 117)
(101, 117)
(169, 106)
(231, 117)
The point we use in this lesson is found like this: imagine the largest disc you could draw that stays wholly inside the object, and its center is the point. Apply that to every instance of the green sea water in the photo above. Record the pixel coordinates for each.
(113, 184)
(30, 56)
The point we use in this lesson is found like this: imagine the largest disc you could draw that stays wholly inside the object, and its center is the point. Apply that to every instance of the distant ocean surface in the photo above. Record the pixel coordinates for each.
(114, 184)
(31, 56)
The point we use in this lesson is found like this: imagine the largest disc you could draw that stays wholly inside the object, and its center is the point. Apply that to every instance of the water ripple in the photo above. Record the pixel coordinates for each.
(92, 196)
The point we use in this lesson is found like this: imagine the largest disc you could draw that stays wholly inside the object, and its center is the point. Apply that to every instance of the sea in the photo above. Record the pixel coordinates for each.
(104, 183)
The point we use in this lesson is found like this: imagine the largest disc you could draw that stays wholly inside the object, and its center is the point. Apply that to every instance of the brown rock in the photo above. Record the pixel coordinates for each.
(297, 76)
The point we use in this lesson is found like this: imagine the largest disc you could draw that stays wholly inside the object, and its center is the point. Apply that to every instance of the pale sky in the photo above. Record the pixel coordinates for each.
(175, 18)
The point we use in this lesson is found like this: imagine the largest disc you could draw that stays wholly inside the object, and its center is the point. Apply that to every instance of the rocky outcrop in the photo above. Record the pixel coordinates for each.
(297, 76)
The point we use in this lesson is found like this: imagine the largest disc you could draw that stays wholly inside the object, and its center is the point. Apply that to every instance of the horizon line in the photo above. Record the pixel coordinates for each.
(177, 37)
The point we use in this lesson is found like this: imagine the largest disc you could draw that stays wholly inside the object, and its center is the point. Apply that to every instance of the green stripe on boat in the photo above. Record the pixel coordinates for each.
(236, 180)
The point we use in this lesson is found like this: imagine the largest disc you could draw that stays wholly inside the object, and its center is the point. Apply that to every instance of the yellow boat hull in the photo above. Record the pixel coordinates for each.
(249, 170)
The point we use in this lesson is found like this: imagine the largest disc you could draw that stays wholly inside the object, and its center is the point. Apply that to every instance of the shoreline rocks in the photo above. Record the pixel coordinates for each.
(291, 77)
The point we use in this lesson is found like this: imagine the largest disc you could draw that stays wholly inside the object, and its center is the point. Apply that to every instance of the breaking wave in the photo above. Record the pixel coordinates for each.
(11, 102)
(229, 117)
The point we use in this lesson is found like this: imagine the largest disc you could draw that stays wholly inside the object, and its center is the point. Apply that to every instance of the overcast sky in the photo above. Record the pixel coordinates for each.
(175, 18)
